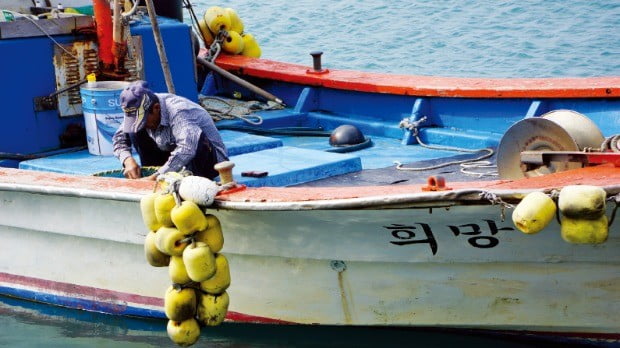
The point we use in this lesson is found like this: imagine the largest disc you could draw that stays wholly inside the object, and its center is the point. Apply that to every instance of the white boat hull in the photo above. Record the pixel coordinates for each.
(340, 267)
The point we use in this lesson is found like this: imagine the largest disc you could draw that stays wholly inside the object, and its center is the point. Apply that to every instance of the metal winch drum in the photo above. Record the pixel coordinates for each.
(559, 130)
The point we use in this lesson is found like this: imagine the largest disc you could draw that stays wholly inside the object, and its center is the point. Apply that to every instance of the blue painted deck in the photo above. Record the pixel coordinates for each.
(238, 143)
(286, 165)
(291, 165)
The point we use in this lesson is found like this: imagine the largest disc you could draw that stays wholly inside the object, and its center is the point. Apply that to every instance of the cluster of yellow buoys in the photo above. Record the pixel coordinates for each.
(188, 241)
(582, 210)
(237, 41)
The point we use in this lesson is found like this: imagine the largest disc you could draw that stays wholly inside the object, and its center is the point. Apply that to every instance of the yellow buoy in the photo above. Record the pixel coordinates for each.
(184, 333)
(212, 235)
(169, 241)
(217, 19)
(233, 44)
(250, 46)
(582, 201)
(236, 24)
(584, 231)
(147, 207)
(206, 32)
(177, 271)
(154, 256)
(163, 205)
(199, 261)
(188, 217)
(534, 213)
(180, 304)
(212, 309)
(220, 281)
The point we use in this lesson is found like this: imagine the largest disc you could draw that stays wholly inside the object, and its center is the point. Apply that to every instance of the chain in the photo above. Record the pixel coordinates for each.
(216, 46)
(495, 199)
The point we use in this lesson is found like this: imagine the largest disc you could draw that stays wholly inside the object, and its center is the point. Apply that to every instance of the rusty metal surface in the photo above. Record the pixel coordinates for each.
(70, 69)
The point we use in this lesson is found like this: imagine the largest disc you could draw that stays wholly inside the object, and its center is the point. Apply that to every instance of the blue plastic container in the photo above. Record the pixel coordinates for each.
(103, 114)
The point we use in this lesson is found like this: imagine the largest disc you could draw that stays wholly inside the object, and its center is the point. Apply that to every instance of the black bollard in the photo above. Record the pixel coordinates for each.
(316, 63)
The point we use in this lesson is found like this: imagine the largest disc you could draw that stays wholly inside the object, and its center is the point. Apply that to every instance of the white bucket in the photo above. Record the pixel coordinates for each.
(103, 114)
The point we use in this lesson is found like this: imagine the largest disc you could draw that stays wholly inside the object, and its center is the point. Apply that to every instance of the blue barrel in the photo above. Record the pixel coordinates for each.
(103, 114)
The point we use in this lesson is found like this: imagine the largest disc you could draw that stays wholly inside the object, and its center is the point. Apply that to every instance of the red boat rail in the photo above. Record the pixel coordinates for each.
(605, 175)
(428, 86)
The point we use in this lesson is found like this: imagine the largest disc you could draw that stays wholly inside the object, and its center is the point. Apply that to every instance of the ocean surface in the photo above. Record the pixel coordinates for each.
(26, 324)
(526, 38)
(484, 38)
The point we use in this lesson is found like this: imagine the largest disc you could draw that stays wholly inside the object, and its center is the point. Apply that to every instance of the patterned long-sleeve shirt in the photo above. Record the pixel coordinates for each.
(182, 123)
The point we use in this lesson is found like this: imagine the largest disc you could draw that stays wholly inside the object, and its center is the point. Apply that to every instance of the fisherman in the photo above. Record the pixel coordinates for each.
(168, 131)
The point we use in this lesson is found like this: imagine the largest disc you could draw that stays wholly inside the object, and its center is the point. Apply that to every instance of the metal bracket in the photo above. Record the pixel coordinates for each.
(585, 158)
(436, 183)
(45, 103)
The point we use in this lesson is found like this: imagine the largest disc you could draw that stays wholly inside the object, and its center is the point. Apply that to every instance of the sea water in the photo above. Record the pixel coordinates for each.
(486, 38)
(26, 324)
(526, 38)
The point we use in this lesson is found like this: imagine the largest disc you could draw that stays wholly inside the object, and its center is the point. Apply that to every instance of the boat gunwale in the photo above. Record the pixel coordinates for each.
(376, 197)
(425, 86)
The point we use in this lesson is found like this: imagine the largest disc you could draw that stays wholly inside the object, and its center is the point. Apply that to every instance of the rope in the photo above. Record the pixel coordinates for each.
(489, 153)
(296, 131)
(242, 112)
(479, 164)
(494, 199)
(413, 127)
(30, 18)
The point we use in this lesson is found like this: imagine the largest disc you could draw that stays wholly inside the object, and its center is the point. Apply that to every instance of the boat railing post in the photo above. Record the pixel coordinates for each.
(419, 110)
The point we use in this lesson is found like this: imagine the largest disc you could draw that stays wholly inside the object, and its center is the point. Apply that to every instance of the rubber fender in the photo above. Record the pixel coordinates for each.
(236, 24)
(535, 211)
(188, 218)
(217, 19)
(220, 280)
(582, 201)
(212, 309)
(180, 304)
(584, 231)
(199, 261)
(233, 44)
(250, 46)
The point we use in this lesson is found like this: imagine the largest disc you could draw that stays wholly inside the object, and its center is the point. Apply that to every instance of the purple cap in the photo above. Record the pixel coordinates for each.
(136, 101)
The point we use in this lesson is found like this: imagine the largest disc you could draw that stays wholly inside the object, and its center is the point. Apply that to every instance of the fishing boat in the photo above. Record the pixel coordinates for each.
(319, 231)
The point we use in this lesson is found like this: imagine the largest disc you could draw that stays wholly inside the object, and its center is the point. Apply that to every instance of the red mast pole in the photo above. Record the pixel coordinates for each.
(103, 20)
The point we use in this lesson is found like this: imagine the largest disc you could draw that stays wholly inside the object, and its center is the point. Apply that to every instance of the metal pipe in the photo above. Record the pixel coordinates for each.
(117, 34)
(62, 90)
(160, 46)
(120, 47)
(239, 81)
(103, 20)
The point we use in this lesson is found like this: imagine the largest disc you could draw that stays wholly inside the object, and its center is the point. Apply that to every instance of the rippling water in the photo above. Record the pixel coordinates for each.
(525, 38)
(26, 324)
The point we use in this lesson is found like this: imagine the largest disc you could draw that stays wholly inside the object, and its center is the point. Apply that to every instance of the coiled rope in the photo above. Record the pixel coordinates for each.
(465, 164)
